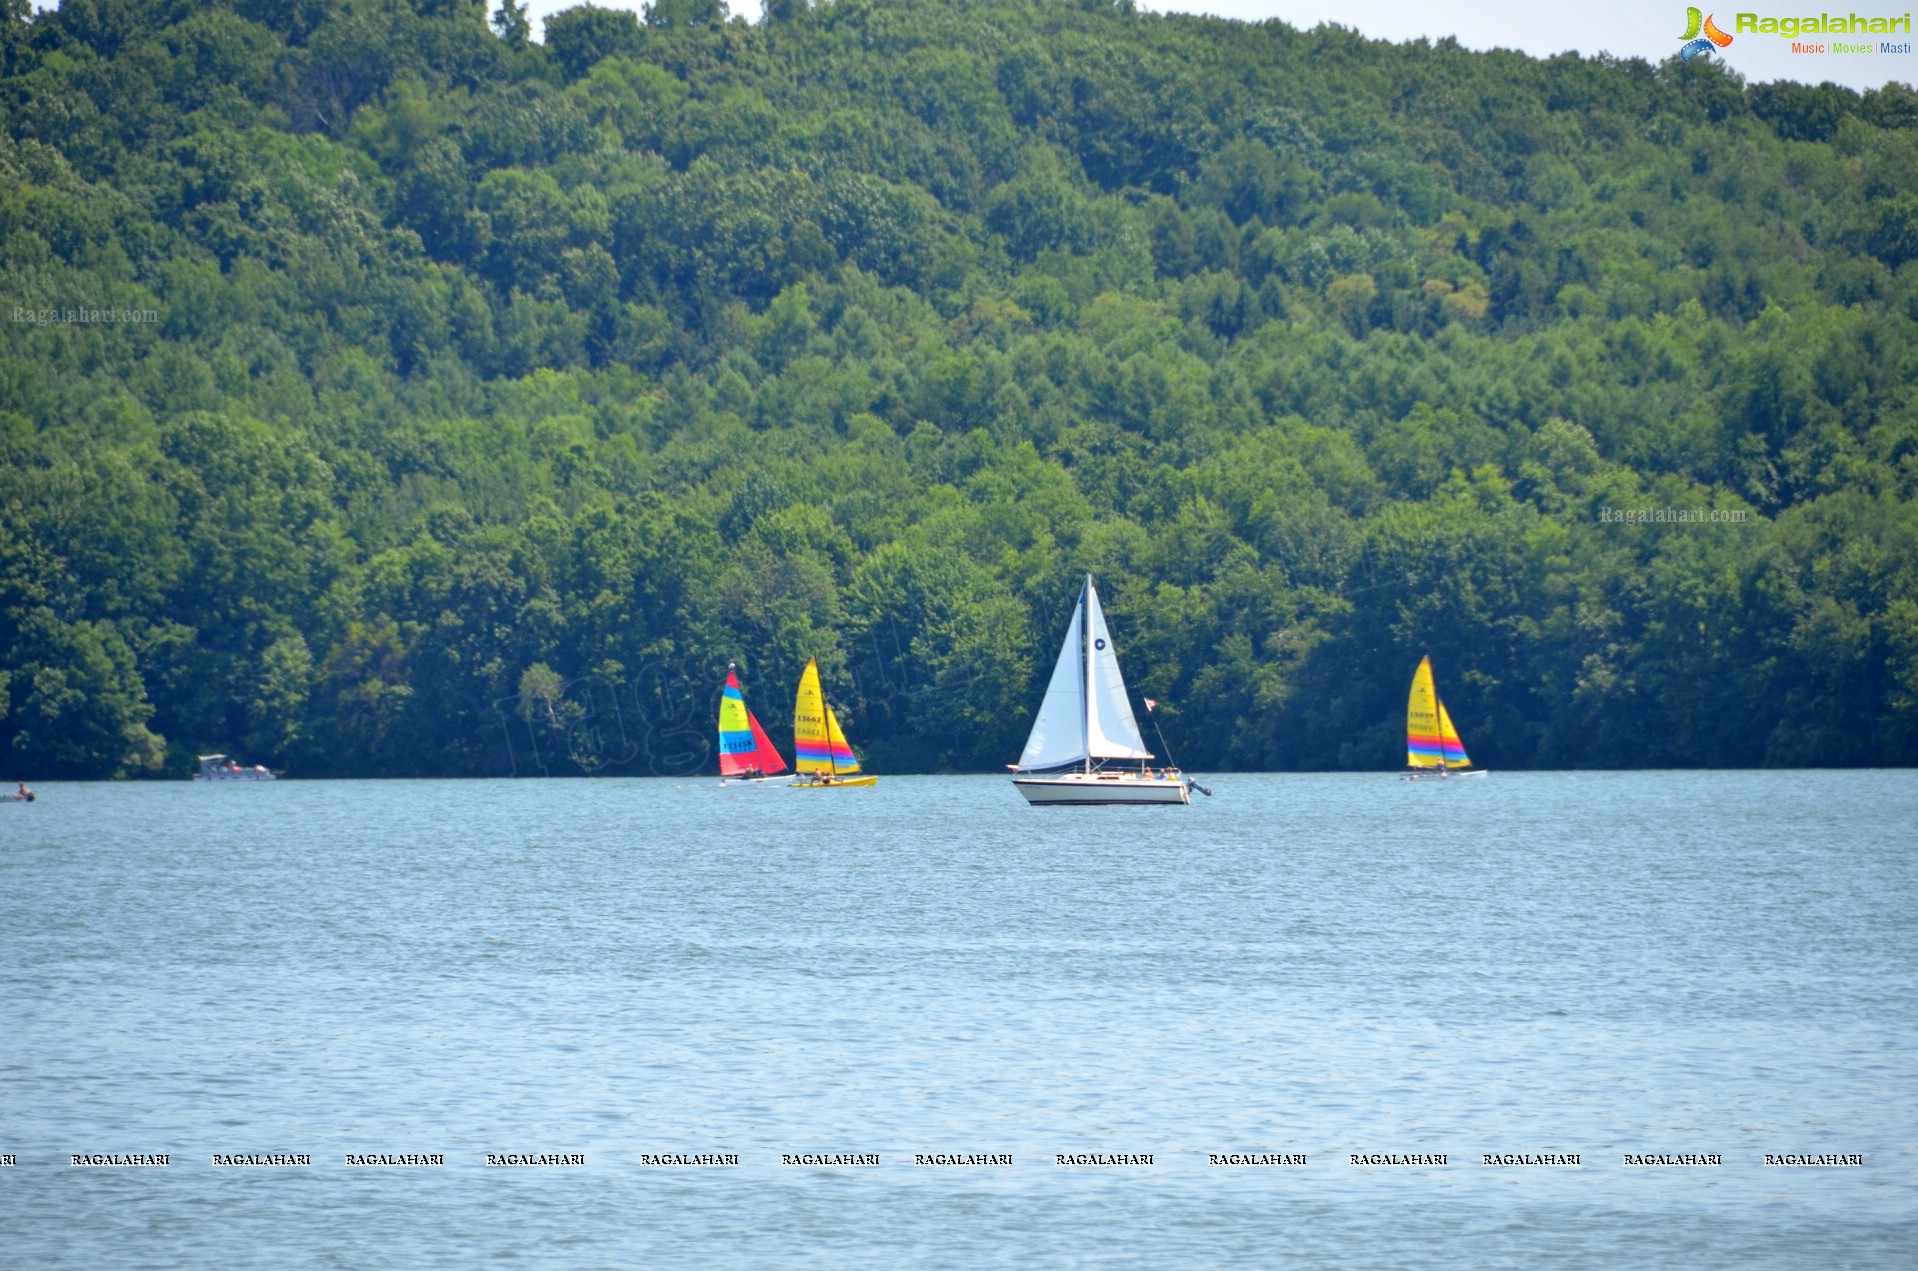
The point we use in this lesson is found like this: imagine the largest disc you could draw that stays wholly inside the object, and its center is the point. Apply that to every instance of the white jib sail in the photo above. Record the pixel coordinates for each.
(1111, 730)
(1058, 734)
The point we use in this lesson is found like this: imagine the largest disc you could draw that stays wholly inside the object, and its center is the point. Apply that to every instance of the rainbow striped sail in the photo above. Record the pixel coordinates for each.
(744, 749)
(1431, 740)
(1455, 756)
(819, 748)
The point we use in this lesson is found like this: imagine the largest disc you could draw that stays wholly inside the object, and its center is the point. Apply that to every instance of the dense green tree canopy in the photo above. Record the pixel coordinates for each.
(384, 392)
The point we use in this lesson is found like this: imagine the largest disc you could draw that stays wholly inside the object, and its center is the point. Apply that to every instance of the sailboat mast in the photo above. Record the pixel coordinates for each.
(832, 765)
(1085, 653)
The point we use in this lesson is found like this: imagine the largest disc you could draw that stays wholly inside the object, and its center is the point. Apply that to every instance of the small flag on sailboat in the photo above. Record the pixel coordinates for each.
(1150, 704)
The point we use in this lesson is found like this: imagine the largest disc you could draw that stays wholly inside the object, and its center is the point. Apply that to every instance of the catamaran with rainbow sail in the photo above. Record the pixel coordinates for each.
(1086, 722)
(820, 751)
(1432, 745)
(746, 755)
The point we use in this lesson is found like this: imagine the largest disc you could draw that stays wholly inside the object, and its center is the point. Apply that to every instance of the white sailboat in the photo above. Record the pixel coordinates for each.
(1085, 740)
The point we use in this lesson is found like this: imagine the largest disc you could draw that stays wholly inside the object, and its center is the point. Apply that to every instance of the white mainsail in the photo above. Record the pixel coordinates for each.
(1085, 714)
(1111, 730)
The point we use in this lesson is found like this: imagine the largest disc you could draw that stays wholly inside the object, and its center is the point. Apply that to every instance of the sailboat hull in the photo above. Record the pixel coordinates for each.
(757, 783)
(1444, 774)
(1082, 789)
(811, 781)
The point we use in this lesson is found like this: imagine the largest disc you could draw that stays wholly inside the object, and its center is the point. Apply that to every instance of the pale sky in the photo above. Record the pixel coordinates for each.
(1625, 28)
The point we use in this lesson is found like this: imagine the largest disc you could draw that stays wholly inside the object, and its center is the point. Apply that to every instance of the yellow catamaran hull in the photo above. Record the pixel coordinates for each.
(826, 783)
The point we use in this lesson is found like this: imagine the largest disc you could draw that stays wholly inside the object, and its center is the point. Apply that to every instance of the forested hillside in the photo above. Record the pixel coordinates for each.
(382, 392)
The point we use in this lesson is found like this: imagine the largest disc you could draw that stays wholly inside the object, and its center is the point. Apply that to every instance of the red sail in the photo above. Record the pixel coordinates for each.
(765, 754)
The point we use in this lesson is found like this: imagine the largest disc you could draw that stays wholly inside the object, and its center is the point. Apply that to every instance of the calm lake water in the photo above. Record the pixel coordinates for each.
(1598, 964)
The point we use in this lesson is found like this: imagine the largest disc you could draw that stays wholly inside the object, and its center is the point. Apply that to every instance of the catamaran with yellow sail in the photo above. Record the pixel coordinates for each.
(1432, 745)
(1085, 738)
(820, 751)
(746, 755)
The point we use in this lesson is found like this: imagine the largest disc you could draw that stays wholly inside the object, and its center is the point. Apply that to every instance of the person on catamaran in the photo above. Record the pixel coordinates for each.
(25, 793)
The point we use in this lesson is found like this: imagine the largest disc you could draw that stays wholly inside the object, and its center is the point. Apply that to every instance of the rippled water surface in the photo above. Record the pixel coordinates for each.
(1599, 964)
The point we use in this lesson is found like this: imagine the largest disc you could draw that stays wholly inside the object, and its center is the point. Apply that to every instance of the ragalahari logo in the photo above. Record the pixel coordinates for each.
(1696, 43)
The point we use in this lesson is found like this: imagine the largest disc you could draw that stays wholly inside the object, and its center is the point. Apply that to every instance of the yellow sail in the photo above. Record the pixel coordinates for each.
(811, 742)
(1424, 739)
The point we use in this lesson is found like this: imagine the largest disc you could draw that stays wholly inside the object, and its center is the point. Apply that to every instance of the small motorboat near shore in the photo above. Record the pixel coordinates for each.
(220, 768)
